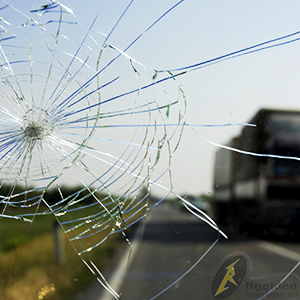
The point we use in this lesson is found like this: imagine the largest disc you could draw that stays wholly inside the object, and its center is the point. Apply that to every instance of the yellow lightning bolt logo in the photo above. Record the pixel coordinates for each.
(228, 277)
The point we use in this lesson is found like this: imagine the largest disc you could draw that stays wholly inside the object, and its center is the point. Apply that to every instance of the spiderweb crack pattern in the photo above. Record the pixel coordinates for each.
(78, 108)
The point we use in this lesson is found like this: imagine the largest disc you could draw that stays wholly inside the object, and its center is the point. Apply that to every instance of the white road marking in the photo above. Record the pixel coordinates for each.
(280, 251)
(119, 273)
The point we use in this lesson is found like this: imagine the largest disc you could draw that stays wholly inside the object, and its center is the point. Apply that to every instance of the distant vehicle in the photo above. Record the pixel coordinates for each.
(198, 202)
(204, 206)
(255, 191)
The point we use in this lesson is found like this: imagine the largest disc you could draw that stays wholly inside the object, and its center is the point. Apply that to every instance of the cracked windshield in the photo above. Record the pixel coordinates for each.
(149, 150)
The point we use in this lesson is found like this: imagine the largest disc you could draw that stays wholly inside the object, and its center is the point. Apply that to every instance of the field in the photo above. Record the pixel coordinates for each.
(27, 265)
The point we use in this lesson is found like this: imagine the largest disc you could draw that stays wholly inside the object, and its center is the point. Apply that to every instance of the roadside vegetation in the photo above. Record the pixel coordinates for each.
(28, 269)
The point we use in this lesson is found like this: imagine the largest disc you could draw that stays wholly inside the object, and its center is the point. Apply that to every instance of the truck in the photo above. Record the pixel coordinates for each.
(257, 175)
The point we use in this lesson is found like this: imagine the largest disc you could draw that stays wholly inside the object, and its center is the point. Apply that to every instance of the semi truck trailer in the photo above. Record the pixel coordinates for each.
(258, 185)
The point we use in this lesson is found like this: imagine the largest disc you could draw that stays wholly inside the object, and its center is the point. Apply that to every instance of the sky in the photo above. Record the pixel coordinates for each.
(231, 91)
(228, 92)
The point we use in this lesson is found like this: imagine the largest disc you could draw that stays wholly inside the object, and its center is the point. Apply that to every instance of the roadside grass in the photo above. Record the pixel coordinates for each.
(28, 270)
(27, 266)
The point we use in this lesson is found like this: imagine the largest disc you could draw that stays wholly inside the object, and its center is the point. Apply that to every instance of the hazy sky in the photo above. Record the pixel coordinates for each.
(228, 92)
(233, 90)
(195, 31)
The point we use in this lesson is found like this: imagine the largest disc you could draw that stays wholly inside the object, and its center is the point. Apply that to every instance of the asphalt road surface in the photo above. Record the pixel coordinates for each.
(174, 240)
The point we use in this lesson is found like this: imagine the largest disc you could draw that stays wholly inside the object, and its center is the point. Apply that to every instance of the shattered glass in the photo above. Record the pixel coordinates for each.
(80, 108)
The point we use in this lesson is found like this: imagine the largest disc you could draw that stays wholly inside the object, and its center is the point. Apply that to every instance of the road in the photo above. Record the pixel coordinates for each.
(174, 240)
